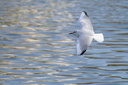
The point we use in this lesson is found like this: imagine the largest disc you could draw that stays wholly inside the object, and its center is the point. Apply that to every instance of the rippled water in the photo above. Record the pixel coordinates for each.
(35, 48)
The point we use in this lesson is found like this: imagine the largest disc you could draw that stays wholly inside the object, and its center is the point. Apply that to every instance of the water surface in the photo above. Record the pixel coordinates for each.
(35, 48)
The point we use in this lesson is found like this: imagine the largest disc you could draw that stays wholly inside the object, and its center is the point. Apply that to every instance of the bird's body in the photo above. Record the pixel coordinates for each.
(85, 34)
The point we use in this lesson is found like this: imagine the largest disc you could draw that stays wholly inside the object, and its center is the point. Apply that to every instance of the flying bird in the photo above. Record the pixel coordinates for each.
(86, 34)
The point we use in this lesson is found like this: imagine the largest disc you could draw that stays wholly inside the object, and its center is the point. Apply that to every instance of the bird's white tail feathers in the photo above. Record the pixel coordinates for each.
(99, 37)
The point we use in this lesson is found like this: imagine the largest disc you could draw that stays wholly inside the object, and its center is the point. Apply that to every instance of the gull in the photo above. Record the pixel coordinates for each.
(86, 34)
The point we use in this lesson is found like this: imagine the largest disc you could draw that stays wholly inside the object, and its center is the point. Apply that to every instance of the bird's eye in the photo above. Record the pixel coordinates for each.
(74, 31)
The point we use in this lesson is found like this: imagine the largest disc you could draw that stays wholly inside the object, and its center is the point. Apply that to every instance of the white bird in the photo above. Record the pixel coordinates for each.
(85, 34)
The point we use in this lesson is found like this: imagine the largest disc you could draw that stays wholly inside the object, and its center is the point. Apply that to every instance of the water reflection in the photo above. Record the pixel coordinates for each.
(35, 47)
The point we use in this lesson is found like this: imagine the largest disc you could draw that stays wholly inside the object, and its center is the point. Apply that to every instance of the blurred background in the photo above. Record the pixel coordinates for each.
(35, 48)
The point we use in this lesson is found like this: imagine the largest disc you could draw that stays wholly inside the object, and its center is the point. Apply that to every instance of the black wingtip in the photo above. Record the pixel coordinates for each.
(83, 52)
(86, 13)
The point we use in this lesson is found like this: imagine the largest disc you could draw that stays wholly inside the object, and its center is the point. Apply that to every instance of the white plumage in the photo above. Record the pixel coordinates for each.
(85, 34)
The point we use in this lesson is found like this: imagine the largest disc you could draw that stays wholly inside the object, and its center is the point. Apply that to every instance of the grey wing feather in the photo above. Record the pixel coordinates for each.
(85, 21)
(82, 44)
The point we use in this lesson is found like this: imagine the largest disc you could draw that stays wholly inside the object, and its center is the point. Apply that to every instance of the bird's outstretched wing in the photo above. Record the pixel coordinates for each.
(82, 44)
(85, 21)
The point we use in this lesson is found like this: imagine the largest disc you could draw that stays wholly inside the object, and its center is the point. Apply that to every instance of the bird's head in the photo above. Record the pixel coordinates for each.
(76, 33)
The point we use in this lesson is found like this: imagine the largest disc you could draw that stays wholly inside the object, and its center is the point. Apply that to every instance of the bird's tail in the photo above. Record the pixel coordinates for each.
(99, 37)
